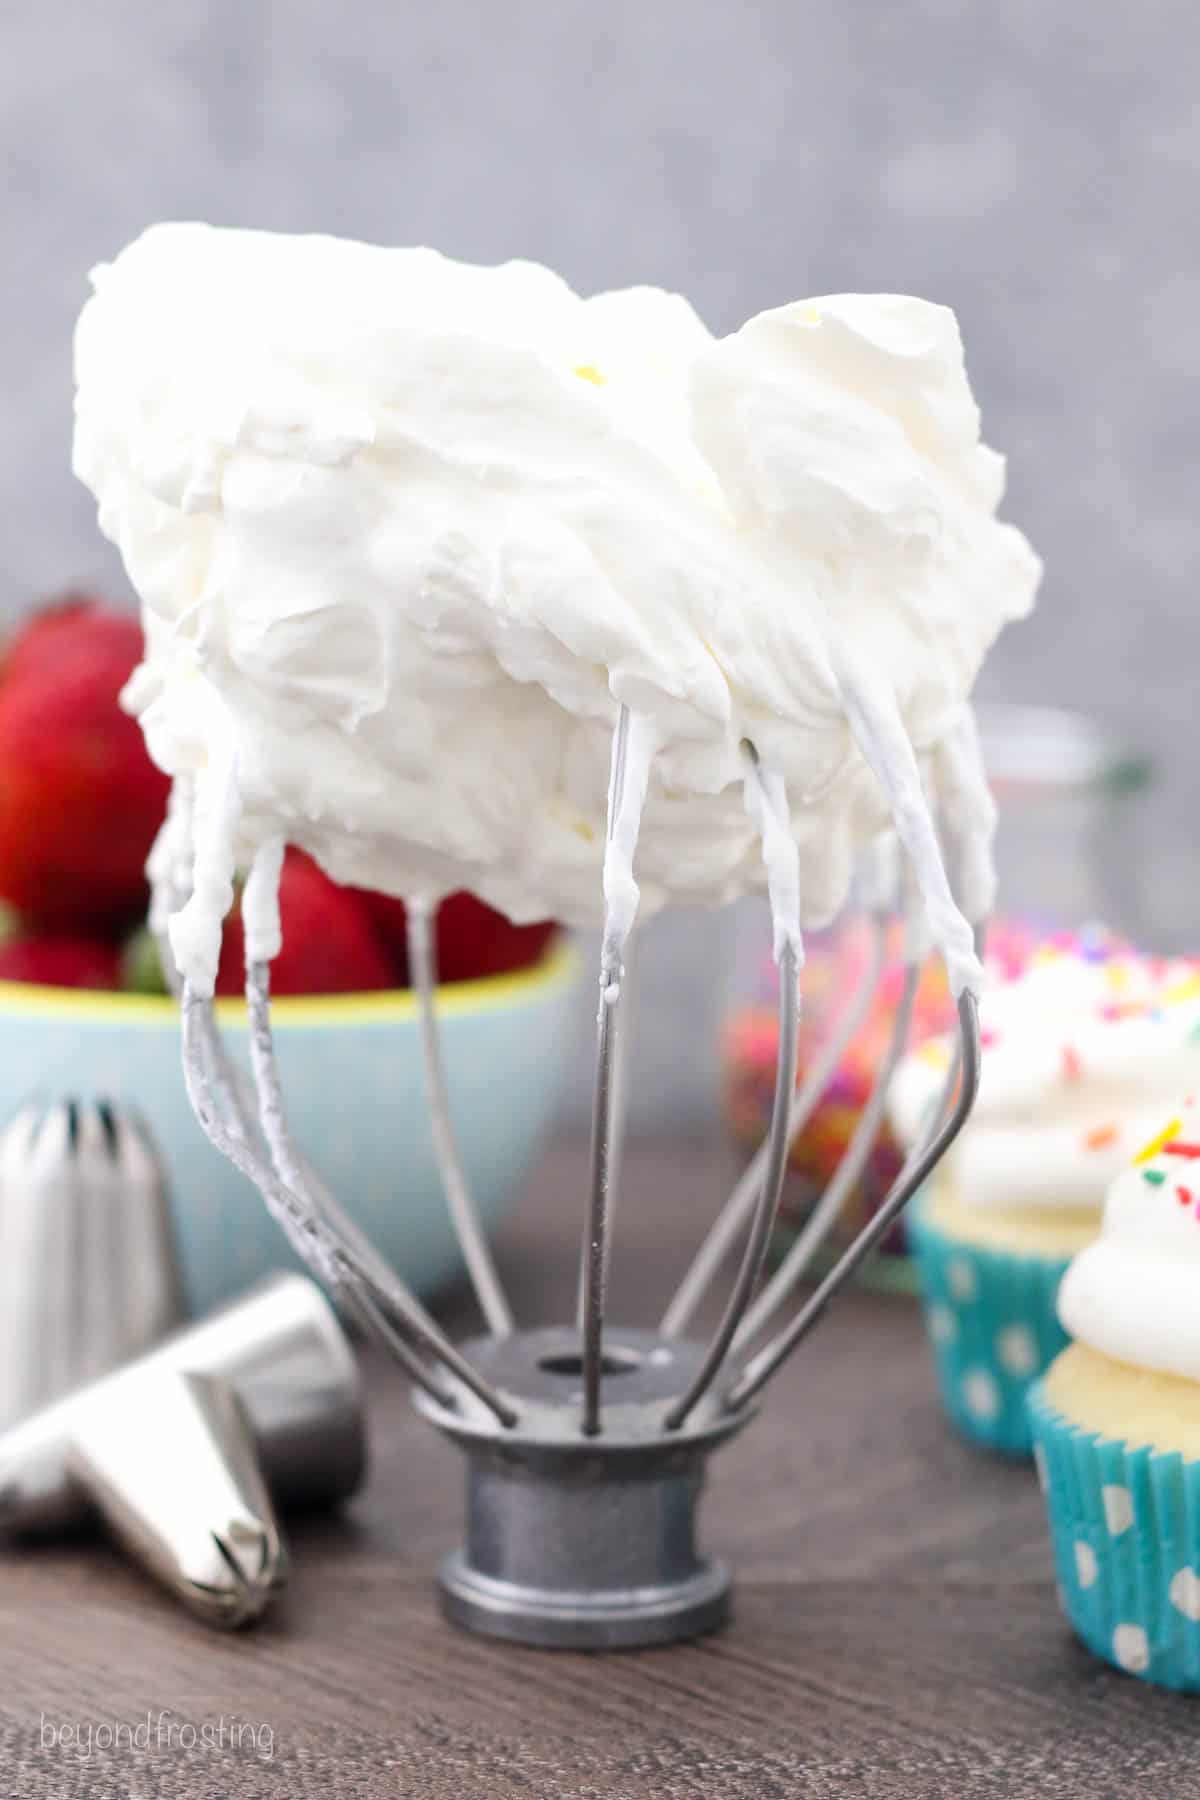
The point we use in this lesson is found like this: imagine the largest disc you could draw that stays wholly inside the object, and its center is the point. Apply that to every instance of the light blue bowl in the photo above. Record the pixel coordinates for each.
(353, 1084)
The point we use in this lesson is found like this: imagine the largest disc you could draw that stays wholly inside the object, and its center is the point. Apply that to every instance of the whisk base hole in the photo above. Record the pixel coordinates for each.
(570, 1362)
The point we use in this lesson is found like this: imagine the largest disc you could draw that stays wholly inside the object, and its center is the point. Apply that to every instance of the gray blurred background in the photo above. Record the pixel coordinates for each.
(1035, 163)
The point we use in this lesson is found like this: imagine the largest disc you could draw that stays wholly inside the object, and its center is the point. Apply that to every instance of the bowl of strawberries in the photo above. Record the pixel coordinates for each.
(84, 1007)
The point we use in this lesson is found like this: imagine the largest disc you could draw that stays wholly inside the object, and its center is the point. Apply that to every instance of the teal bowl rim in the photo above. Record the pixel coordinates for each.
(554, 971)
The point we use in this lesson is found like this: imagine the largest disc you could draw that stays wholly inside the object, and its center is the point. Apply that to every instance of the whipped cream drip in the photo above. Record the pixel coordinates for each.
(408, 533)
(1132, 1294)
(1081, 1053)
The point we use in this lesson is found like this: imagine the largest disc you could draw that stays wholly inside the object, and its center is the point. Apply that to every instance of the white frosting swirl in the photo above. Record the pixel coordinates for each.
(1081, 1054)
(1133, 1294)
(407, 531)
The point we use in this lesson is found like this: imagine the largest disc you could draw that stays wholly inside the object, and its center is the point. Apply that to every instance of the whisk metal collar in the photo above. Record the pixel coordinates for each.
(576, 1541)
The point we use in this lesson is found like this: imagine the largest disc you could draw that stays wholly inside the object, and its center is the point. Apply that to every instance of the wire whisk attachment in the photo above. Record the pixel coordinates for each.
(586, 1445)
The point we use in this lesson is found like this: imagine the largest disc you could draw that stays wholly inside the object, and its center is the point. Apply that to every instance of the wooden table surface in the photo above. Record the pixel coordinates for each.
(895, 1632)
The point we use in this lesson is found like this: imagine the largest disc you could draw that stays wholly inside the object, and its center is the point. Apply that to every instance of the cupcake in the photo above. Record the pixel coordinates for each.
(1116, 1420)
(1081, 1055)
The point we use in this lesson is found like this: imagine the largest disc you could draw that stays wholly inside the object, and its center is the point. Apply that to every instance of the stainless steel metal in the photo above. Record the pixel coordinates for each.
(585, 1543)
(916, 1171)
(622, 1029)
(778, 1138)
(595, 1258)
(737, 1209)
(321, 1230)
(586, 1448)
(280, 1349)
(169, 1461)
(828, 1208)
(89, 1274)
(595, 1255)
(422, 959)
(325, 1245)
(626, 1031)
(227, 1087)
(581, 1540)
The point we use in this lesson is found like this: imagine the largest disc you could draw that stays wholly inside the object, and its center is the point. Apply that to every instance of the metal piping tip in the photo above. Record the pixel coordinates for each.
(256, 1565)
(282, 1350)
(169, 1462)
(89, 1273)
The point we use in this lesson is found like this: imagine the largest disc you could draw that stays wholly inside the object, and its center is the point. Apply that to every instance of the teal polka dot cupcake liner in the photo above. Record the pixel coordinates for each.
(992, 1326)
(1125, 1525)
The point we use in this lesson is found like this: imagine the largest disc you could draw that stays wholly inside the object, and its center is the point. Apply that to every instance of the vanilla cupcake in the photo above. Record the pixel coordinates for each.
(1081, 1055)
(1116, 1420)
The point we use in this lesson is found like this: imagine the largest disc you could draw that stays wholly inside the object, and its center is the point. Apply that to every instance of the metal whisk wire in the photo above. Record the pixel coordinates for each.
(326, 1247)
(422, 960)
(581, 1531)
(768, 1361)
(768, 1198)
(737, 1209)
(595, 1255)
(229, 1090)
(828, 1208)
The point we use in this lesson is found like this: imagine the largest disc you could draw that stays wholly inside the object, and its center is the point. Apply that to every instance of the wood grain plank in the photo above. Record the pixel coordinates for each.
(895, 1633)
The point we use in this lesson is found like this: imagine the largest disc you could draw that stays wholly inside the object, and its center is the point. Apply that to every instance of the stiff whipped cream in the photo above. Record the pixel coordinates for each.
(408, 533)
(1081, 1055)
(1132, 1294)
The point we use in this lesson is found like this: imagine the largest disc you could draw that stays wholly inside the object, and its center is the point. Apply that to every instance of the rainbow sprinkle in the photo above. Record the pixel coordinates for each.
(1100, 1138)
(1154, 1176)
(1151, 1150)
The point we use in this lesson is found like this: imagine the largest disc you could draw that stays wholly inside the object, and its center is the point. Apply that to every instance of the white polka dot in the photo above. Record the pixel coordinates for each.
(1017, 1351)
(1131, 1647)
(1085, 1563)
(1118, 1508)
(1184, 1593)
(980, 1395)
(960, 1278)
(1043, 1472)
(943, 1327)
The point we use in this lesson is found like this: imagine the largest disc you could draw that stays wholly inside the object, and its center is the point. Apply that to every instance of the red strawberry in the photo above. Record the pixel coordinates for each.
(43, 634)
(473, 939)
(330, 945)
(74, 962)
(231, 970)
(80, 800)
(390, 919)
